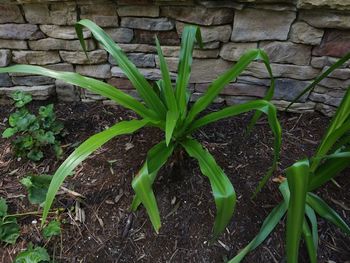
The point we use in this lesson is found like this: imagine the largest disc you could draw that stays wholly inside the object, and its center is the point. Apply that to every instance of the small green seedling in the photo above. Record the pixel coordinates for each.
(52, 229)
(37, 187)
(33, 133)
(9, 229)
(33, 255)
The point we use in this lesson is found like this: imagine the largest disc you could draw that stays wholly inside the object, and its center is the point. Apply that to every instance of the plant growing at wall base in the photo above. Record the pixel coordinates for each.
(33, 133)
(168, 109)
(303, 177)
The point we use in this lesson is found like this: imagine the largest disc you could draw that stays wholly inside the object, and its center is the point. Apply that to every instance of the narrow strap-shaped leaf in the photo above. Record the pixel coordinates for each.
(189, 35)
(170, 124)
(260, 105)
(320, 78)
(82, 152)
(142, 183)
(93, 85)
(297, 176)
(309, 242)
(311, 215)
(224, 79)
(339, 126)
(326, 212)
(269, 224)
(224, 194)
(136, 78)
(328, 170)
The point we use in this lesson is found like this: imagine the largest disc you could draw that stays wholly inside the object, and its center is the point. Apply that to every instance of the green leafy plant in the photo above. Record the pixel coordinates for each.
(37, 187)
(303, 177)
(9, 229)
(167, 108)
(33, 255)
(33, 133)
(52, 229)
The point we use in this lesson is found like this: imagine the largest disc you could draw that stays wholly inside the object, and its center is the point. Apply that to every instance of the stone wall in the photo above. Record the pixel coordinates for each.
(302, 37)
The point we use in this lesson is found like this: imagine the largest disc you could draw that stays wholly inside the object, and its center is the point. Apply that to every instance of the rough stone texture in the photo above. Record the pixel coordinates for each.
(209, 34)
(207, 70)
(120, 35)
(104, 15)
(59, 44)
(77, 57)
(5, 57)
(254, 25)
(258, 69)
(13, 44)
(148, 73)
(57, 13)
(20, 31)
(303, 33)
(325, 19)
(331, 98)
(96, 71)
(320, 62)
(135, 10)
(5, 80)
(143, 48)
(335, 43)
(289, 89)
(343, 74)
(254, 81)
(66, 92)
(235, 100)
(154, 24)
(296, 107)
(37, 92)
(174, 51)
(139, 59)
(236, 89)
(199, 15)
(331, 83)
(10, 14)
(35, 57)
(165, 37)
(32, 80)
(287, 52)
(233, 51)
(120, 83)
(333, 4)
(63, 32)
(172, 63)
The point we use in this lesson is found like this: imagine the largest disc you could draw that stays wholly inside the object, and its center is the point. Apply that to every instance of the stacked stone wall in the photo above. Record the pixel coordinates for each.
(302, 37)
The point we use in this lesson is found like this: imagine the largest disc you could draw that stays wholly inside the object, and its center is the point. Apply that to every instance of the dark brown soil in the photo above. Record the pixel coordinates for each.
(111, 233)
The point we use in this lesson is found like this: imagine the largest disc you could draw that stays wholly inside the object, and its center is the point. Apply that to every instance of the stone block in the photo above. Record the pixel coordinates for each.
(327, 4)
(210, 34)
(55, 13)
(335, 43)
(5, 57)
(20, 31)
(32, 80)
(78, 57)
(233, 51)
(174, 51)
(148, 73)
(287, 52)
(154, 24)
(120, 83)
(62, 32)
(303, 33)
(340, 73)
(13, 44)
(172, 63)
(235, 100)
(207, 70)
(321, 62)
(199, 15)
(236, 89)
(139, 59)
(10, 14)
(35, 57)
(138, 48)
(5, 80)
(255, 25)
(289, 89)
(325, 18)
(148, 37)
(59, 44)
(37, 92)
(136, 10)
(120, 35)
(104, 15)
(96, 71)
(308, 106)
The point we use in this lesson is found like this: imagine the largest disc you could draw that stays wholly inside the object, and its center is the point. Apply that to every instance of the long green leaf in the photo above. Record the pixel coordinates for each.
(310, 213)
(93, 85)
(309, 242)
(136, 78)
(297, 176)
(260, 105)
(224, 194)
(189, 35)
(326, 212)
(320, 78)
(82, 152)
(218, 84)
(269, 224)
(142, 183)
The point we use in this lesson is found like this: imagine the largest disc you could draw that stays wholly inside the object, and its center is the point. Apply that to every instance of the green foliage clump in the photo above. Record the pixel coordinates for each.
(33, 133)
(37, 186)
(33, 255)
(9, 229)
